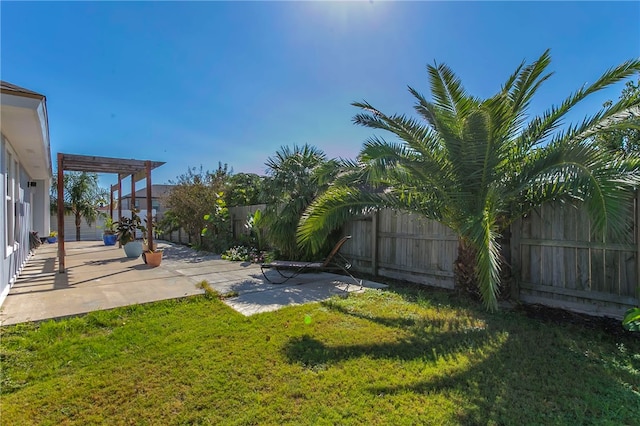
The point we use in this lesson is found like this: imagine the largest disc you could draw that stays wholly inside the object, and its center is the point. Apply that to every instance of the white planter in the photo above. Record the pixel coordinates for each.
(133, 248)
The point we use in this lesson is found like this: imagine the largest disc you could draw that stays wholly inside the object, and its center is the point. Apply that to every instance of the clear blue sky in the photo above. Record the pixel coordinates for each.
(206, 82)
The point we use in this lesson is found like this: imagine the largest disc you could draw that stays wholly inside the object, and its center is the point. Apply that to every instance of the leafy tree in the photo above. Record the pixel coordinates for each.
(476, 165)
(82, 197)
(217, 229)
(624, 138)
(194, 195)
(168, 223)
(295, 178)
(244, 189)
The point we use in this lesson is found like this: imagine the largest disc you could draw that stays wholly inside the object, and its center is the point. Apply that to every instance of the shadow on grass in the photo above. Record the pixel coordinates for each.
(519, 371)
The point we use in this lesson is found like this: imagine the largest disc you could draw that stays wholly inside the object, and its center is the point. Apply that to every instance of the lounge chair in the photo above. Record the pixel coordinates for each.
(288, 269)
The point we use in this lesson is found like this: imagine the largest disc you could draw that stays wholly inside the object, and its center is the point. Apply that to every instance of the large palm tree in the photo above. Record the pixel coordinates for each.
(82, 197)
(476, 165)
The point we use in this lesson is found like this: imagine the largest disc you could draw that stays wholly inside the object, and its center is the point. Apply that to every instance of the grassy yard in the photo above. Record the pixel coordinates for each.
(384, 357)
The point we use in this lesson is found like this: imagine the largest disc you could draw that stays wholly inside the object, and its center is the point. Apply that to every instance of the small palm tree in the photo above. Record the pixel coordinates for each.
(296, 176)
(476, 165)
(82, 197)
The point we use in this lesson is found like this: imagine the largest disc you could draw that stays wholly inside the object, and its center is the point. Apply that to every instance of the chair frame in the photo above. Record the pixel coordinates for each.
(334, 261)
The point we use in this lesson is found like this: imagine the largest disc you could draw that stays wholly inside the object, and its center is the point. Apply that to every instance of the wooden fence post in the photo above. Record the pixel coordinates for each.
(374, 244)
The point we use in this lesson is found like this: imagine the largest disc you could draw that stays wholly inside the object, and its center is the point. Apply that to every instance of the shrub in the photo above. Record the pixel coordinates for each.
(246, 254)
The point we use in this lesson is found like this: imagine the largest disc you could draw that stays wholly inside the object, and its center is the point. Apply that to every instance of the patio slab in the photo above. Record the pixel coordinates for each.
(101, 277)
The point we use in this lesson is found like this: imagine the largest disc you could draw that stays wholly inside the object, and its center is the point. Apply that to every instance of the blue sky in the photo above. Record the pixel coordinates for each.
(197, 83)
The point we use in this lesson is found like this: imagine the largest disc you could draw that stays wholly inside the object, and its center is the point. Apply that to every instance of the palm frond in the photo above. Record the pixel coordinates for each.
(448, 94)
(540, 127)
(528, 82)
(482, 231)
(332, 209)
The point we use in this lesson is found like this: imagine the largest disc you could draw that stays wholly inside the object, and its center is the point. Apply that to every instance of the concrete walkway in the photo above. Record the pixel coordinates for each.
(101, 277)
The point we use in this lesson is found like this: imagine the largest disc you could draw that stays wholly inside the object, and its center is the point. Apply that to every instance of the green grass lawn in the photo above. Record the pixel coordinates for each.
(390, 357)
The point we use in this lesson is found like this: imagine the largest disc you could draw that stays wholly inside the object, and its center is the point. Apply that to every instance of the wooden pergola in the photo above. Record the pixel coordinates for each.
(137, 169)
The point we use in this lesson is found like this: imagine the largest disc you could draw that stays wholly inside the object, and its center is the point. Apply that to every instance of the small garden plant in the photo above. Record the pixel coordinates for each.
(631, 320)
(246, 254)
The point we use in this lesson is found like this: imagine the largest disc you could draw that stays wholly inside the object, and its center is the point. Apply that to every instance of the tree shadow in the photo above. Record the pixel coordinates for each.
(513, 369)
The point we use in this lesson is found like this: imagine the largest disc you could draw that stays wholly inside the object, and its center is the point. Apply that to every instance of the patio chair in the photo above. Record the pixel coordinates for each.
(288, 269)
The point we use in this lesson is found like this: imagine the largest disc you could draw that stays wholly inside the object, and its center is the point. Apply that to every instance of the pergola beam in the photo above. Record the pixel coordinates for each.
(86, 163)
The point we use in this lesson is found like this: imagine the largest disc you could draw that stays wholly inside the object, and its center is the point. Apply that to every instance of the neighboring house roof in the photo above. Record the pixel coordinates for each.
(157, 191)
(24, 123)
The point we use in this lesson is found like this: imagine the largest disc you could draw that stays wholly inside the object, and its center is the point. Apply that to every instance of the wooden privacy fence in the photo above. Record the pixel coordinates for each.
(555, 257)
(559, 261)
(179, 236)
(402, 246)
(239, 216)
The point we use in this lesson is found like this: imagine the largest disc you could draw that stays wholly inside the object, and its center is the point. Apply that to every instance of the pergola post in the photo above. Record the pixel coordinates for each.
(113, 187)
(149, 214)
(119, 196)
(132, 203)
(61, 266)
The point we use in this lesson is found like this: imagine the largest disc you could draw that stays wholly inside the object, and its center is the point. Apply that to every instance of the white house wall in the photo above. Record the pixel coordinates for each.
(15, 255)
(4, 262)
(41, 207)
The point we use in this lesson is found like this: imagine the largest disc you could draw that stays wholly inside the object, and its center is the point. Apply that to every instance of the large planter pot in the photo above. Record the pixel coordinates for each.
(152, 258)
(133, 248)
(52, 240)
(109, 239)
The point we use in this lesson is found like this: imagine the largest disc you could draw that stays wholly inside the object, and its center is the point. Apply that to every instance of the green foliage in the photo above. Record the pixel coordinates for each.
(624, 139)
(476, 165)
(193, 196)
(381, 358)
(126, 228)
(82, 197)
(217, 229)
(245, 189)
(109, 225)
(245, 254)
(295, 178)
(631, 320)
(168, 223)
(256, 227)
(209, 292)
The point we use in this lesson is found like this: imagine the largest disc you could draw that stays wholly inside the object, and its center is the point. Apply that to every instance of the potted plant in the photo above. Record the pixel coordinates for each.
(53, 237)
(151, 255)
(126, 234)
(109, 236)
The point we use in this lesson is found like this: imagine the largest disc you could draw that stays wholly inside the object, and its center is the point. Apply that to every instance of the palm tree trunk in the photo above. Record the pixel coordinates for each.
(78, 222)
(464, 269)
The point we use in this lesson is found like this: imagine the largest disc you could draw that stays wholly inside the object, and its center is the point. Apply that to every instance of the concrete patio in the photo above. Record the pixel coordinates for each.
(101, 277)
